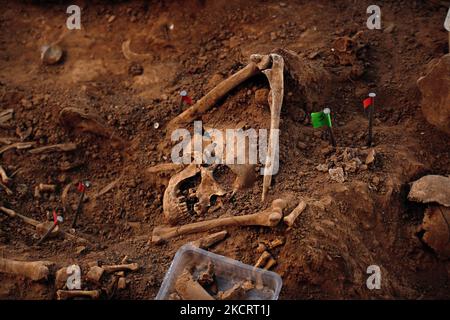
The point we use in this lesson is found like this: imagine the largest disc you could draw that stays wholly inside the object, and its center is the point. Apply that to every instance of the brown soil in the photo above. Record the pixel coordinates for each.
(364, 221)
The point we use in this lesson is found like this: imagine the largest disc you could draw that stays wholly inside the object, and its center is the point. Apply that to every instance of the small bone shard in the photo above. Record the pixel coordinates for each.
(121, 267)
(18, 146)
(3, 176)
(189, 289)
(36, 270)
(7, 140)
(236, 292)
(95, 274)
(431, 188)
(262, 260)
(270, 263)
(209, 240)
(290, 219)
(269, 218)
(76, 119)
(63, 147)
(257, 64)
(69, 294)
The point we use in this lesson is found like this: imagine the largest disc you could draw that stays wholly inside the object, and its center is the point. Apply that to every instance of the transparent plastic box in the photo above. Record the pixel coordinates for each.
(227, 273)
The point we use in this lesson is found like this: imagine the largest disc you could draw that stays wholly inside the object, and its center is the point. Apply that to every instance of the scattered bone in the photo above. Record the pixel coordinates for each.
(18, 146)
(431, 188)
(132, 56)
(436, 229)
(5, 116)
(261, 248)
(63, 147)
(270, 263)
(67, 166)
(173, 208)
(7, 140)
(8, 191)
(61, 278)
(161, 173)
(337, 174)
(95, 274)
(36, 270)
(269, 218)
(121, 283)
(236, 292)
(68, 294)
(47, 187)
(370, 156)
(275, 243)
(76, 119)
(206, 277)
(3, 176)
(257, 63)
(262, 260)
(276, 81)
(210, 240)
(189, 289)
(108, 187)
(290, 219)
(121, 267)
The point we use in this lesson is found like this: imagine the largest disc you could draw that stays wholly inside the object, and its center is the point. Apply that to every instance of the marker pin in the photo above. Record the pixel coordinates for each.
(327, 111)
(56, 220)
(81, 187)
(371, 111)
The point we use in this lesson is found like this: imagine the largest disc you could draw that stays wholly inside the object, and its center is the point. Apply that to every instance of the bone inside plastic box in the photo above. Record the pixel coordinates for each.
(229, 276)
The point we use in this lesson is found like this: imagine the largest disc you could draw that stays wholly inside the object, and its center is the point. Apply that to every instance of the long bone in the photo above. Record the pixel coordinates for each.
(35, 270)
(68, 294)
(276, 81)
(290, 219)
(256, 65)
(269, 218)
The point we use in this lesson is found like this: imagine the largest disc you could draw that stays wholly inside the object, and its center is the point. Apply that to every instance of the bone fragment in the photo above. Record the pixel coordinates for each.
(7, 140)
(17, 145)
(95, 274)
(68, 294)
(269, 218)
(265, 256)
(36, 270)
(121, 267)
(209, 240)
(63, 147)
(270, 263)
(8, 191)
(3, 176)
(47, 187)
(189, 289)
(290, 219)
(236, 292)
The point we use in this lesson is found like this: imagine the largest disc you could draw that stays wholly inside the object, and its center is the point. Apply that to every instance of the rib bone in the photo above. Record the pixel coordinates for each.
(269, 218)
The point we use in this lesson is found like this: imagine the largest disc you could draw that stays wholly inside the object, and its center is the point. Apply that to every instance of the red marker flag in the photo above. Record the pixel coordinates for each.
(81, 187)
(187, 100)
(367, 102)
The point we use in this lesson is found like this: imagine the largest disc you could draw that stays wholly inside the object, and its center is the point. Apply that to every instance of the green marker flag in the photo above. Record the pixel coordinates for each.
(320, 119)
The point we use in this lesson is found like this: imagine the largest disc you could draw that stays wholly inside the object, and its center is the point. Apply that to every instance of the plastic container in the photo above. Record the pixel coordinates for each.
(227, 273)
